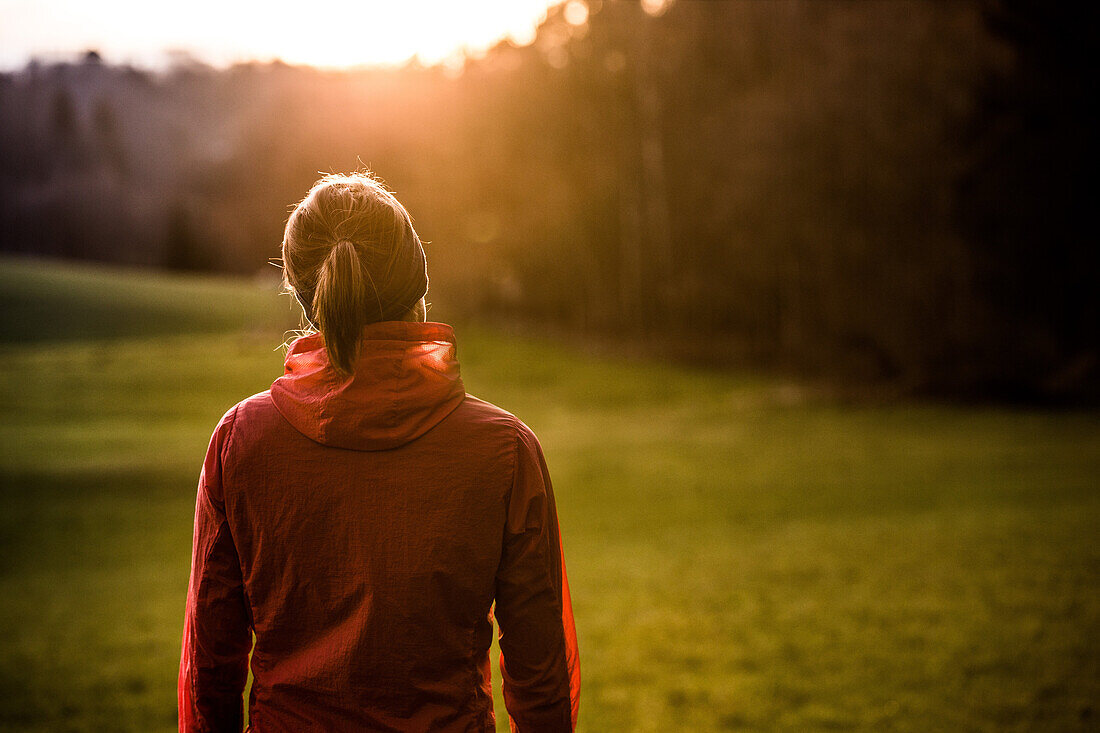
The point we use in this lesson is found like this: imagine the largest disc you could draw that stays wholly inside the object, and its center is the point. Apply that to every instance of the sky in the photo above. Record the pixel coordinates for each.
(331, 33)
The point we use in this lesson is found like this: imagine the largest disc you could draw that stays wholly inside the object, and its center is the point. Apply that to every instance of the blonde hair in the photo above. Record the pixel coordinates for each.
(351, 257)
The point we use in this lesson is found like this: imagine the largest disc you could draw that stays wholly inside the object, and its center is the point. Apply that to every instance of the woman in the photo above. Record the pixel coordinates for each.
(361, 517)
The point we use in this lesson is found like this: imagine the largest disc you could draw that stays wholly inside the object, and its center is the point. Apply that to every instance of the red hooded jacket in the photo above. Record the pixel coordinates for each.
(362, 528)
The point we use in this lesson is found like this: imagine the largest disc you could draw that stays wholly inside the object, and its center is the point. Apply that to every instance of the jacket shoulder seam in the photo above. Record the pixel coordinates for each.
(229, 438)
(515, 465)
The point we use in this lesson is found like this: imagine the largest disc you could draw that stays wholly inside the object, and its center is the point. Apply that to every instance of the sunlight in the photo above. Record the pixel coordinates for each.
(337, 34)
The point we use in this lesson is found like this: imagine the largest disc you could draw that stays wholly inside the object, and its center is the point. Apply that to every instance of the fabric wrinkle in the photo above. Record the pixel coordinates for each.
(366, 528)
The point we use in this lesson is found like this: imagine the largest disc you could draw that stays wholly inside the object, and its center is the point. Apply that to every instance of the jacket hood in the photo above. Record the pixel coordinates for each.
(406, 381)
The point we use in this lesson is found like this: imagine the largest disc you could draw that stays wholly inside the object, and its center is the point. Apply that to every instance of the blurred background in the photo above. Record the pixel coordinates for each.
(798, 295)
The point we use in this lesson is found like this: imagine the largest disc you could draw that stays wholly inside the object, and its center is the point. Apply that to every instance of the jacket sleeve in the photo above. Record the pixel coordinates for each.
(539, 661)
(217, 630)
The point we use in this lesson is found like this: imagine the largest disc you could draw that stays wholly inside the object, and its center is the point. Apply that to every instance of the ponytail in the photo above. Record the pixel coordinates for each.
(341, 305)
(351, 257)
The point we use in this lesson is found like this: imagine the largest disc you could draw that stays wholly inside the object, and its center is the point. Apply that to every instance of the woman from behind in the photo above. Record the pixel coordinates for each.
(362, 517)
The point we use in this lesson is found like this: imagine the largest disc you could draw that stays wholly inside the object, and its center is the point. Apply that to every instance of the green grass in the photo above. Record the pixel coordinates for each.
(49, 301)
(743, 554)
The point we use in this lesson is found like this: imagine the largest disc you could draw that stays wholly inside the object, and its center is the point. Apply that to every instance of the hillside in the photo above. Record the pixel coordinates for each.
(743, 554)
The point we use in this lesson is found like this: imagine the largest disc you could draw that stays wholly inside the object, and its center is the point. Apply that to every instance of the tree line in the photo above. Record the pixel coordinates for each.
(881, 193)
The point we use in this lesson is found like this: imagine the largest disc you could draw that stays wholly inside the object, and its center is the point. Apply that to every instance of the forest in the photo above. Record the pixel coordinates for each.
(873, 194)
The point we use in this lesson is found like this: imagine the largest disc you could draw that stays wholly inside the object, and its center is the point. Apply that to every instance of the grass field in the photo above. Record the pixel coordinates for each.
(743, 554)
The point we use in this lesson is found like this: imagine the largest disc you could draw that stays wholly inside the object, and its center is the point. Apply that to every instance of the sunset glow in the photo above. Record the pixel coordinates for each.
(337, 34)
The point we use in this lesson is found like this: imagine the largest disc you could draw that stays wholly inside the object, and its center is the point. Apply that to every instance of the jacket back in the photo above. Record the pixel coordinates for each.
(362, 529)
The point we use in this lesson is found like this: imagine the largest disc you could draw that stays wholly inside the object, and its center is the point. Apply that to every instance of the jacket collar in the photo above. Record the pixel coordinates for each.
(406, 380)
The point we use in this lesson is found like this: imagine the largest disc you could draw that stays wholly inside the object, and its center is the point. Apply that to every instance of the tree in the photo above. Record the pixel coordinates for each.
(1024, 202)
